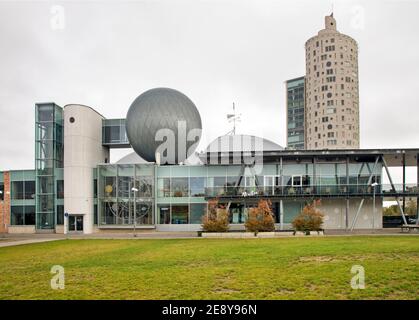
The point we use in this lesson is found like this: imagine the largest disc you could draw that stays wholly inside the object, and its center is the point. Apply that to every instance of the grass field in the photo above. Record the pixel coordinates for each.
(289, 268)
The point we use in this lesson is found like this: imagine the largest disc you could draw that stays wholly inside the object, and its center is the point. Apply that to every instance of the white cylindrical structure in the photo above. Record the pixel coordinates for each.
(331, 90)
(83, 150)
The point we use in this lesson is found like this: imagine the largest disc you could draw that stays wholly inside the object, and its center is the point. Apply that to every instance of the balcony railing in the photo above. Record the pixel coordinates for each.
(320, 190)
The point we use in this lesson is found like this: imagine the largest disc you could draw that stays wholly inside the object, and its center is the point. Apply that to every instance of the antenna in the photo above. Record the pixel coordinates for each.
(233, 117)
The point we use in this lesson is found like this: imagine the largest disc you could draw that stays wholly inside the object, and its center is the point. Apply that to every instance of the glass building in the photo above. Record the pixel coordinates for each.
(49, 164)
(295, 97)
(74, 188)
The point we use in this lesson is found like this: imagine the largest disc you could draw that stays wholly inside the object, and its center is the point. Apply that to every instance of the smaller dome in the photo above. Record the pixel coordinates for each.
(134, 158)
(242, 143)
(131, 158)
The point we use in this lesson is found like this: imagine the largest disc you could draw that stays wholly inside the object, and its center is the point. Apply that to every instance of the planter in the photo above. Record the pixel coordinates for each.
(316, 233)
(310, 233)
(265, 234)
(228, 235)
(284, 234)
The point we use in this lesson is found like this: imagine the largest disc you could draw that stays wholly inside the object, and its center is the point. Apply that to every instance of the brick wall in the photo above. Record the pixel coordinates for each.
(5, 204)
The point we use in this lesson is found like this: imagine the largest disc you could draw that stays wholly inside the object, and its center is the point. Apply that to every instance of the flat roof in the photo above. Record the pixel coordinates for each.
(393, 157)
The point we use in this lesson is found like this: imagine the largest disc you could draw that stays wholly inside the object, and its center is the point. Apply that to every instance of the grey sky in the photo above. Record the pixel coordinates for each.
(215, 52)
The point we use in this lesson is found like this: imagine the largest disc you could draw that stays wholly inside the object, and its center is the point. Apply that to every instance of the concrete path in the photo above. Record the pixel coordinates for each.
(13, 242)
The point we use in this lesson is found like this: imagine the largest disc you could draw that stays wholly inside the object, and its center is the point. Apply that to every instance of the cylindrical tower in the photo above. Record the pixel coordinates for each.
(83, 150)
(332, 95)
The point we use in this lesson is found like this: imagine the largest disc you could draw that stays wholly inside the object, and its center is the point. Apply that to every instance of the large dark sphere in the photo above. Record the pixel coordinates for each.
(155, 109)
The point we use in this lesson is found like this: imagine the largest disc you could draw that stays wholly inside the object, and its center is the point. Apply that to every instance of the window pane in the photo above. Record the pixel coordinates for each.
(46, 113)
(46, 220)
(29, 189)
(44, 131)
(95, 188)
(197, 187)
(95, 213)
(164, 214)
(110, 186)
(145, 186)
(46, 185)
(180, 187)
(60, 214)
(17, 215)
(46, 203)
(125, 184)
(17, 190)
(30, 215)
(164, 187)
(180, 214)
(198, 210)
(144, 212)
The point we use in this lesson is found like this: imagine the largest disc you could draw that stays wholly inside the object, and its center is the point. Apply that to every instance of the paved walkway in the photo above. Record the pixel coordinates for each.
(14, 242)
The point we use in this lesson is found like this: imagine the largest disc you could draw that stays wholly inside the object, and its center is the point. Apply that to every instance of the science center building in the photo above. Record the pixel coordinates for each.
(74, 188)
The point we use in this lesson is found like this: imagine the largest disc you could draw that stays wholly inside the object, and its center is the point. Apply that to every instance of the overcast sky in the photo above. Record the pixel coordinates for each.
(105, 53)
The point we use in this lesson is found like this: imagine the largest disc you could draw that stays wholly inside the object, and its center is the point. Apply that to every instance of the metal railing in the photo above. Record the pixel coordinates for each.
(318, 190)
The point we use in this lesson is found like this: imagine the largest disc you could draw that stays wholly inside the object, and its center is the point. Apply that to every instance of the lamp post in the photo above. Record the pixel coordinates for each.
(373, 185)
(135, 190)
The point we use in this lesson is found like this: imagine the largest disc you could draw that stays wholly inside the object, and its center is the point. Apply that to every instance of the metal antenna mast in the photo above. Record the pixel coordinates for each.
(233, 117)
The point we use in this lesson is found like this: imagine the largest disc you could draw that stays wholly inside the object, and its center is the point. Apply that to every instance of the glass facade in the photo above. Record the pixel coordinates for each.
(125, 193)
(49, 158)
(22, 215)
(182, 191)
(114, 133)
(295, 113)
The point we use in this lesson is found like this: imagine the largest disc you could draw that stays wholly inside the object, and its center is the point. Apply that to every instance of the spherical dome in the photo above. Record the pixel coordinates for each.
(242, 143)
(167, 109)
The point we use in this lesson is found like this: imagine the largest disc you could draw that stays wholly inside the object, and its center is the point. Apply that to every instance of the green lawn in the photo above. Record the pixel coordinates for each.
(288, 268)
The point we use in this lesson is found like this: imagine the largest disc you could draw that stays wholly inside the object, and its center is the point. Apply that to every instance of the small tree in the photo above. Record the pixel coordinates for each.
(309, 219)
(216, 219)
(260, 218)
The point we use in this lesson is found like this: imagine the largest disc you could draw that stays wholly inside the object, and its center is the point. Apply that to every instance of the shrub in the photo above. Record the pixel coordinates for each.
(216, 219)
(309, 219)
(260, 218)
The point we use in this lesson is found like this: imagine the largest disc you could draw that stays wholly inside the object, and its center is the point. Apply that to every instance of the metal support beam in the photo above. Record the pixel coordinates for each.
(240, 177)
(363, 199)
(394, 189)
(369, 169)
(360, 169)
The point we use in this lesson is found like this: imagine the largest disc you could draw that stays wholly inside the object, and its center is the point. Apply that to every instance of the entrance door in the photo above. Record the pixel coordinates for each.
(75, 223)
(236, 213)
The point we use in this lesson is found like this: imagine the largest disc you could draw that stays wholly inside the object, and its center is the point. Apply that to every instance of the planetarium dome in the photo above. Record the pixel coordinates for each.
(242, 143)
(163, 108)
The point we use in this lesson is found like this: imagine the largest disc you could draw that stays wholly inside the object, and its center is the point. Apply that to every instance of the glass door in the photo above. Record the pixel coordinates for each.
(75, 223)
